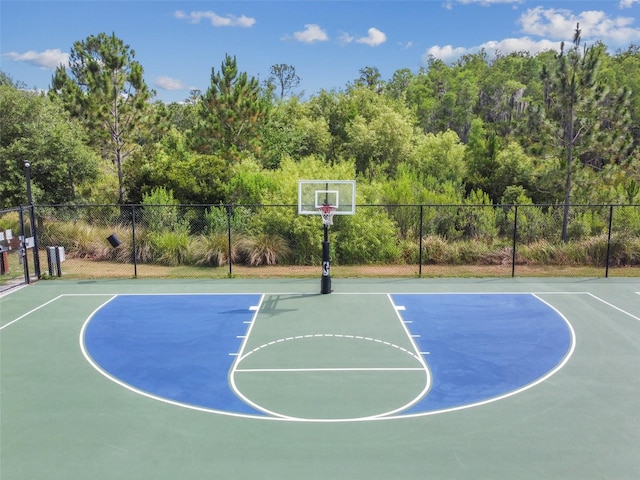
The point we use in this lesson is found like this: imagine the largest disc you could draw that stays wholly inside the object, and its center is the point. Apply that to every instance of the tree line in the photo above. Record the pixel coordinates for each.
(558, 127)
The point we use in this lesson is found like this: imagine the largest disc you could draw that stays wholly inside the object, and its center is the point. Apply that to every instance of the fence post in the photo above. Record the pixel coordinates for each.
(515, 236)
(606, 270)
(32, 221)
(133, 241)
(229, 239)
(23, 248)
(420, 243)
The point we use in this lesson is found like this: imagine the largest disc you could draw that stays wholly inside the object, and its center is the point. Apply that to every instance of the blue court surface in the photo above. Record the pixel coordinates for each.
(462, 350)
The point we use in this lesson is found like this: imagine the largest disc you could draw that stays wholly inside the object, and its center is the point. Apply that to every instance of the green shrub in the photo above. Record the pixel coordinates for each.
(10, 221)
(626, 220)
(478, 220)
(541, 252)
(368, 237)
(170, 248)
(161, 212)
(216, 220)
(302, 233)
(435, 250)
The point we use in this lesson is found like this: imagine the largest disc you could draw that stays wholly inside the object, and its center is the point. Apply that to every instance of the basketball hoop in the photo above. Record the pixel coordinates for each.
(327, 211)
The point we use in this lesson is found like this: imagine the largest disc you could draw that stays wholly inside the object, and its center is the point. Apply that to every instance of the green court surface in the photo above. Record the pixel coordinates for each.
(328, 382)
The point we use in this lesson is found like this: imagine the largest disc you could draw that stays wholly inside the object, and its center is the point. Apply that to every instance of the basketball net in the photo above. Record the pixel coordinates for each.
(327, 211)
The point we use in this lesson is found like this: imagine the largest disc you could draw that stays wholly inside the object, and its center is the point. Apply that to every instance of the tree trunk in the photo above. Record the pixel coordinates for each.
(567, 185)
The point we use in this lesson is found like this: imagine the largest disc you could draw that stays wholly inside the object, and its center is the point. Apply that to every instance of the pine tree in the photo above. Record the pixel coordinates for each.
(106, 90)
(231, 111)
(570, 93)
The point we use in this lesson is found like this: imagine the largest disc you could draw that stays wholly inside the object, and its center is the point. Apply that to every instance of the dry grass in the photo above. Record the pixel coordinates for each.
(85, 269)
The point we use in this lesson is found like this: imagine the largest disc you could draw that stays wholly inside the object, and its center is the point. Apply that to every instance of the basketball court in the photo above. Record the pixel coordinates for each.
(405, 378)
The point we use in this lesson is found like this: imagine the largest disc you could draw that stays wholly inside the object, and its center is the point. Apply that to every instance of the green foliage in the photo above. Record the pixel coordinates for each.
(37, 130)
(10, 221)
(440, 156)
(249, 184)
(366, 238)
(476, 222)
(171, 164)
(380, 135)
(626, 219)
(231, 112)
(217, 220)
(170, 247)
(161, 213)
(80, 239)
(584, 223)
(533, 223)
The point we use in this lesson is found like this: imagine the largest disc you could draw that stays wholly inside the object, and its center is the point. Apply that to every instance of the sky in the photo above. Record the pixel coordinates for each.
(327, 42)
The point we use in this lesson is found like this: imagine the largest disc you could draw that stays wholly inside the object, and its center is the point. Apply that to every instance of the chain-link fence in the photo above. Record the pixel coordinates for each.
(115, 241)
(17, 242)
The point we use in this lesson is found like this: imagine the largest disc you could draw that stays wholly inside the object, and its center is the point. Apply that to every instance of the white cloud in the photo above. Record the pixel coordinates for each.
(168, 83)
(345, 38)
(49, 59)
(627, 3)
(522, 44)
(374, 38)
(311, 33)
(551, 25)
(560, 24)
(448, 53)
(215, 19)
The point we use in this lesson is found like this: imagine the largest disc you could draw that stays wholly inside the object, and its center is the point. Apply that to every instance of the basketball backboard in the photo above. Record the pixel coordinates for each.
(312, 194)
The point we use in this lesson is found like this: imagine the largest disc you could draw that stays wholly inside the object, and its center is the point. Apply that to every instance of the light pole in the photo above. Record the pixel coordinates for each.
(32, 221)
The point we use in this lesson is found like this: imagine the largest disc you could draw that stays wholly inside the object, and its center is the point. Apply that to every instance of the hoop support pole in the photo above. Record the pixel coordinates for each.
(325, 283)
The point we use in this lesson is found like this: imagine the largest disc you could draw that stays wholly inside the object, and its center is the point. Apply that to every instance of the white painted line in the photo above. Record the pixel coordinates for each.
(30, 312)
(345, 369)
(614, 307)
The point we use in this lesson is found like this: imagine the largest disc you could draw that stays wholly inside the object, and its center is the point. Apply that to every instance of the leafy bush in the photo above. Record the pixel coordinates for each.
(369, 237)
(10, 221)
(216, 220)
(161, 212)
(478, 220)
(626, 218)
(170, 248)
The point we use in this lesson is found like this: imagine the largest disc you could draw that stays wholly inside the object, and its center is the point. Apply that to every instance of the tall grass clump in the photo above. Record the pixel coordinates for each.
(79, 239)
(213, 250)
(263, 249)
(170, 248)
